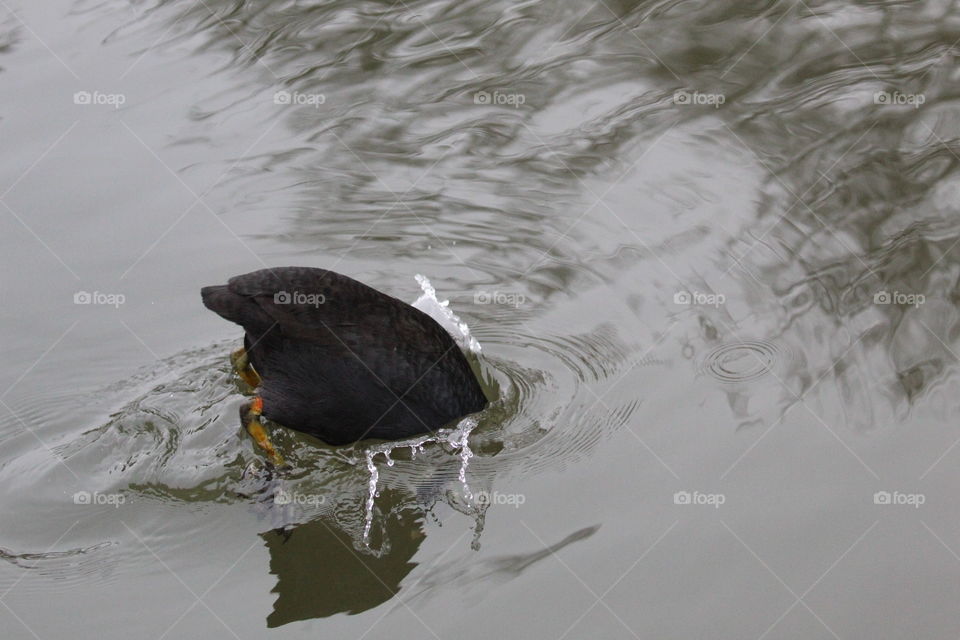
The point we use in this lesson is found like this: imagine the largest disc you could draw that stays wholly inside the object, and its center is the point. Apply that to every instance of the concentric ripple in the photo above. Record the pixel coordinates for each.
(736, 362)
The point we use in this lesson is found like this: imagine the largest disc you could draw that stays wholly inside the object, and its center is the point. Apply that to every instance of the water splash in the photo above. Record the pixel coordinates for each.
(457, 438)
(440, 311)
(371, 495)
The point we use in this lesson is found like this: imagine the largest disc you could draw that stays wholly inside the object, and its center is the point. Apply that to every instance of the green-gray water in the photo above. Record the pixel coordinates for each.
(709, 250)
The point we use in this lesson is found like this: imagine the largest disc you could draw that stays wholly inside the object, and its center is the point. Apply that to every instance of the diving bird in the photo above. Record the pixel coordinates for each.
(329, 356)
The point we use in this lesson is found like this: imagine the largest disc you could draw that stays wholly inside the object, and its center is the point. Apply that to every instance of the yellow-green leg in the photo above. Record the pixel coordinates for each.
(241, 364)
(250, 419)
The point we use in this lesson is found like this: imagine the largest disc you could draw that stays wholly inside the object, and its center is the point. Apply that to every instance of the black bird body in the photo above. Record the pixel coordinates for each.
(342, 361)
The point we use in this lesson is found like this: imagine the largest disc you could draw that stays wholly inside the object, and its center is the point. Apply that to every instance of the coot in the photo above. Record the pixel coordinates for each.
(334, 358)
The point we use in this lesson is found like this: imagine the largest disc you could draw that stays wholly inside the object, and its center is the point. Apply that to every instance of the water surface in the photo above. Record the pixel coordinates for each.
(708, 250)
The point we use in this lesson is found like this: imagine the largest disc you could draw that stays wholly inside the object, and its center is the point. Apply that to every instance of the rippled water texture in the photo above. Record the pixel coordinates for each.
(707, 252)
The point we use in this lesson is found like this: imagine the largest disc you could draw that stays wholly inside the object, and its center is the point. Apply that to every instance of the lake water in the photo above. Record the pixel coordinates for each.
(709, 250)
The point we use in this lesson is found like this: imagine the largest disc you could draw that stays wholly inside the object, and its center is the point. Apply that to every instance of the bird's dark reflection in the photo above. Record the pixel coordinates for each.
(320, 571)
(323, 560)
